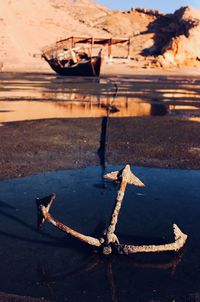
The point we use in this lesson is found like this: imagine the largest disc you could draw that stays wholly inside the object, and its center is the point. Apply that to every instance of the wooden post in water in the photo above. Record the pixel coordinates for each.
(92, 44)
(110, 50)
(72, 44)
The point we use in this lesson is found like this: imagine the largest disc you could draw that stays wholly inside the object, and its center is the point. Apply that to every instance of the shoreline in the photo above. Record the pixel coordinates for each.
(118, 69)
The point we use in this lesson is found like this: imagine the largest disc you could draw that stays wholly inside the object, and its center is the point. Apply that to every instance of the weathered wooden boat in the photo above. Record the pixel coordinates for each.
(77, 56)
(81, 65)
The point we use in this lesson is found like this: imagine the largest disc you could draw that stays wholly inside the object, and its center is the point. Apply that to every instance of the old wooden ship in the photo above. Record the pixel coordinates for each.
(80, 56)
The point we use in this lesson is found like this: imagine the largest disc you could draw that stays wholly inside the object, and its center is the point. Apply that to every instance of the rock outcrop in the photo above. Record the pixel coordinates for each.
(184, 47)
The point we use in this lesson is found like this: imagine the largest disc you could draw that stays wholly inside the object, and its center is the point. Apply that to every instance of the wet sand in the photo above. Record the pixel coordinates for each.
(148, 120)
(44, 145)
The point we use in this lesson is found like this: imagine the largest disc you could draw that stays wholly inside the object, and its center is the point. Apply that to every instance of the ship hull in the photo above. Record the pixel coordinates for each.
(89, 68)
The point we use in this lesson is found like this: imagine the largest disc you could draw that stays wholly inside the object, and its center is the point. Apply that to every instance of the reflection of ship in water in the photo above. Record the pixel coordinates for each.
(96, 106)
(78, 105)
(45, 96)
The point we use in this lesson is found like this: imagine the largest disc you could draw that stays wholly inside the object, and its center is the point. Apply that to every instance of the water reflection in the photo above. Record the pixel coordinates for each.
(159, 108)
(47, 278)
(102, 147)
(37, 96)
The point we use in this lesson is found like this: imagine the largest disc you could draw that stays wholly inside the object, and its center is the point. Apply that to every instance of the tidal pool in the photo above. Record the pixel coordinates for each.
(51, 265)
(28, 96)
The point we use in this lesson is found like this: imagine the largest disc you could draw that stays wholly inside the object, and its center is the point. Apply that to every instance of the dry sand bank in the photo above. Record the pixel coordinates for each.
(117, 69)
(123, 69)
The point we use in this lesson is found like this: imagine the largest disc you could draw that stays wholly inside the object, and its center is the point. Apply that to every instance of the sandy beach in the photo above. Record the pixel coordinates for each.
(120, 68)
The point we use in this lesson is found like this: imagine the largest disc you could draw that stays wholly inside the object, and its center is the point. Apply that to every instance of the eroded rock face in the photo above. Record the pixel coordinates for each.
(129, 23)
(184, 48)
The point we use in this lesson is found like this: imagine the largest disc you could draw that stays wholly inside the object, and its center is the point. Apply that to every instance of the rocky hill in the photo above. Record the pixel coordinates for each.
(158, 40)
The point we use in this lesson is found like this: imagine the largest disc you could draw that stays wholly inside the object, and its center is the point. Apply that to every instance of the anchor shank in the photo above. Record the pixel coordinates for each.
(114, 218)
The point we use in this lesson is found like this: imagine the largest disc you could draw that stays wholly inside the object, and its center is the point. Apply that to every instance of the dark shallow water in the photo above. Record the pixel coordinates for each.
(53, 266)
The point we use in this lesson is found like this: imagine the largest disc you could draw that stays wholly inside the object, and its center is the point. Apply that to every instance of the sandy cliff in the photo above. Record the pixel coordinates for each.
(158, 40)
(28, 26)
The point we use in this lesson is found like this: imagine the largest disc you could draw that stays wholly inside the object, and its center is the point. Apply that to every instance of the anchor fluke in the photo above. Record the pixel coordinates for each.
(180, 237)
(43, 203)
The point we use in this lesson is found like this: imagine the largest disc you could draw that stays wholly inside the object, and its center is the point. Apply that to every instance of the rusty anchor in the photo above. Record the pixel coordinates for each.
(109, 240)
